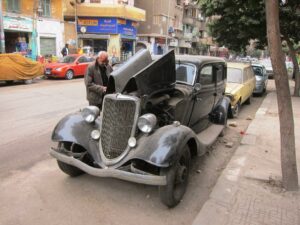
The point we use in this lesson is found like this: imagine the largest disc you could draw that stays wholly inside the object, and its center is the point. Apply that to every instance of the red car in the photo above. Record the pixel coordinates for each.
(68, 67)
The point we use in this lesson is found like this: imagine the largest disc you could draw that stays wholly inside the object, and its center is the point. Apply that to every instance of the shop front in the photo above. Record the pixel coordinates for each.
(114, 35)
(18, 33)
(50, 37)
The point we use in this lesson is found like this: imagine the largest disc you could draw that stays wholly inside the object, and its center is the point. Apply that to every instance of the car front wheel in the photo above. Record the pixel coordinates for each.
(177, 179)
(69, 75)
(71, 150)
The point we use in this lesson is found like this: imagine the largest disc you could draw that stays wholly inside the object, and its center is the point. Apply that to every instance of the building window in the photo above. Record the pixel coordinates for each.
(178, 2)
(13, 5)
(46, 6)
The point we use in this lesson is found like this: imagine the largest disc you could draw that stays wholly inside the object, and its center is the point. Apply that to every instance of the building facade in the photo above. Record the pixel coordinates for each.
(109, 25)
(33, 27)
(163, 28)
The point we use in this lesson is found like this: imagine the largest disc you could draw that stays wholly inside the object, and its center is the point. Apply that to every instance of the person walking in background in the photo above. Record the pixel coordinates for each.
(65, 50)
(96, 79)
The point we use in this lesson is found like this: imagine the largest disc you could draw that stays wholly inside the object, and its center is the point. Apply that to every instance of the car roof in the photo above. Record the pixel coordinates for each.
(238, 65)
(257, 64)
(195, 59)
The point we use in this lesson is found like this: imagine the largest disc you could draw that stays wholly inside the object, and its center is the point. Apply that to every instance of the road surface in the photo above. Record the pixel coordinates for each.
(34, 191)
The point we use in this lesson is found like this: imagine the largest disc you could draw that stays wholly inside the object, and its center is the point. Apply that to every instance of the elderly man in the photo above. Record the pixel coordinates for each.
(96, 79)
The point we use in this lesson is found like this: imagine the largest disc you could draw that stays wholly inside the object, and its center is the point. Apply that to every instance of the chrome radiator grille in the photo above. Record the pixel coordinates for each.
(117, 124)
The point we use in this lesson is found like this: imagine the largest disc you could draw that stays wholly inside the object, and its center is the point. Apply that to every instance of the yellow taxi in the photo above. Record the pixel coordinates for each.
(240, 86)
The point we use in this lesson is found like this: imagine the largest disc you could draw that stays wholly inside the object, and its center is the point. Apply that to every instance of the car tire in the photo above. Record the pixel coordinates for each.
(69, 75)
(66, 168)
(72, 171)
(235, 112)
(177, 179)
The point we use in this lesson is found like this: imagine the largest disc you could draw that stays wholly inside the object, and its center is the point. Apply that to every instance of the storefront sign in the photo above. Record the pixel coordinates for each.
(17, 24)
(88, 22)
(107, 26)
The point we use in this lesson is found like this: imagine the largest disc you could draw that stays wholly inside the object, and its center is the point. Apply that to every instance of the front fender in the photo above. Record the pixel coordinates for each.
(162, 147)
(73, 128)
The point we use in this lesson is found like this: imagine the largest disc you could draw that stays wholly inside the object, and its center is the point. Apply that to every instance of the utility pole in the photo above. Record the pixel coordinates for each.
(168, 19)
(2, 37)
(76, 33)
(34, 52)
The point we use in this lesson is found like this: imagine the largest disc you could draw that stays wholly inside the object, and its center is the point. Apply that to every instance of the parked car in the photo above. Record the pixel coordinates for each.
(261, 78)
(68, 67)
(15, 67)
(268, 65)
(240, 86)
(156, 115)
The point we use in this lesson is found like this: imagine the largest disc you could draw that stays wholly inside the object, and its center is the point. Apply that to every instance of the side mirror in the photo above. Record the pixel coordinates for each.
(197, 88)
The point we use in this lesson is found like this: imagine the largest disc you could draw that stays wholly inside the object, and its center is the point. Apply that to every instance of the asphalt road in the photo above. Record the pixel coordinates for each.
(35, 191)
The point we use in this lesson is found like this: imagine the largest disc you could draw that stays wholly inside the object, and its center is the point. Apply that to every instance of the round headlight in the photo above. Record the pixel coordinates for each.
(147, 122)
(90, 113)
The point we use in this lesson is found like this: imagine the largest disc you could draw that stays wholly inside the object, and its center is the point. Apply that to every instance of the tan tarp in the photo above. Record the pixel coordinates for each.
(17, 67)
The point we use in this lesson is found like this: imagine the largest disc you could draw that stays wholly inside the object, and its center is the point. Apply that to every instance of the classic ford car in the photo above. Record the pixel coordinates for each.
(156, 115)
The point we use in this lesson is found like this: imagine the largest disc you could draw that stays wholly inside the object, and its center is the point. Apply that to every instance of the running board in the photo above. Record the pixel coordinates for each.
(209, 135)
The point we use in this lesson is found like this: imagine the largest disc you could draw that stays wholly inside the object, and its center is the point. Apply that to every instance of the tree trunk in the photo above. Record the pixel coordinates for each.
(296, 67)
(286, 119)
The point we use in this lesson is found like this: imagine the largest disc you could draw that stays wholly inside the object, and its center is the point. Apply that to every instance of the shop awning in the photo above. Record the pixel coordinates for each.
(102, 10)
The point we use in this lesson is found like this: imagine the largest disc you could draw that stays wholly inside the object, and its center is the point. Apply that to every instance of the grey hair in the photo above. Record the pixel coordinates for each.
(102, 53)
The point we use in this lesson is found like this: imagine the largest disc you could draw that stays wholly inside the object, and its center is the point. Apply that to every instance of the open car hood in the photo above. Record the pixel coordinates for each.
(143, 75)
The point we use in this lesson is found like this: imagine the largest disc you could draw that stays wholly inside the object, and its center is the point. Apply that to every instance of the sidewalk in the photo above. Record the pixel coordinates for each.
(248, 192)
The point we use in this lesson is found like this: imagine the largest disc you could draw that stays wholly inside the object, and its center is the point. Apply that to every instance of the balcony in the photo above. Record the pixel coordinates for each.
(194, 22)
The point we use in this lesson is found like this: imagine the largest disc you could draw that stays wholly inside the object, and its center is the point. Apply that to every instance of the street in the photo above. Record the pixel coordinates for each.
(35, 191)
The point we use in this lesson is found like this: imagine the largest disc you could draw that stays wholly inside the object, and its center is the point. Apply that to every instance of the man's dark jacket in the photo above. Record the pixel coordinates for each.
(94, 84)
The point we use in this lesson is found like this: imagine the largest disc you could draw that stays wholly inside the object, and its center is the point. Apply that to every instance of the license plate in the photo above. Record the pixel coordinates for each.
(48, 72)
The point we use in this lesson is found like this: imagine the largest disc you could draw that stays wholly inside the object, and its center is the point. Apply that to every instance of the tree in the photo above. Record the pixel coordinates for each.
(243, 21)
(288, 155)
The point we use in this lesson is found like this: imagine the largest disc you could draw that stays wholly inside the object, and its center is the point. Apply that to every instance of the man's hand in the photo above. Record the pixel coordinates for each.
(104, 89)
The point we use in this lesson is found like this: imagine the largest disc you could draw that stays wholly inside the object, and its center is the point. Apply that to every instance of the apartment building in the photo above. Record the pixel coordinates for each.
(33, 27)
(172, 24)
(109, 25)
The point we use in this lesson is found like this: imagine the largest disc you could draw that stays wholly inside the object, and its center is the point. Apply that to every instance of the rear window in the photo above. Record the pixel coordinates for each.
(185, 73)
(234, 75)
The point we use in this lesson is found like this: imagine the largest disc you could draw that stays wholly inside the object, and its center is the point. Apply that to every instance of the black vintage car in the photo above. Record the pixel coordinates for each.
(158, 113)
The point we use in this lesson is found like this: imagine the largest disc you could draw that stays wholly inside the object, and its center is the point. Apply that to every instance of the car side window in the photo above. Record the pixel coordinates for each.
(206, 75)
(82, 59)
(219, 72)
(185, 73)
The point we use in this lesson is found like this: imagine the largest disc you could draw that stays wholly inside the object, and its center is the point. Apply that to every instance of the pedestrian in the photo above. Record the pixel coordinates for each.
(65, 50)
(96, 79)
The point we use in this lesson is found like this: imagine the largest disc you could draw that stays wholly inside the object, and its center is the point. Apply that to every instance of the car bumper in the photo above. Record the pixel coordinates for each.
(53, 74)
(258, 89)
(110, 172)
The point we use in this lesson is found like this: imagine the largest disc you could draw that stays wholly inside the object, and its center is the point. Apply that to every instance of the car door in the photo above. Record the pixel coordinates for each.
(204, 99)
(245, 86)
(82, 63)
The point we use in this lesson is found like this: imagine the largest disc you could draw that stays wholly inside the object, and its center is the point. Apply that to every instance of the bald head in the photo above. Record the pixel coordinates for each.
(102, 58)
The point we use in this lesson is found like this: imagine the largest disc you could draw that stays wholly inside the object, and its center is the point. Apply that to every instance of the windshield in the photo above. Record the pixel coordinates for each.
(234, 75)
(185, 73)
(67, 59)
(257, 71)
